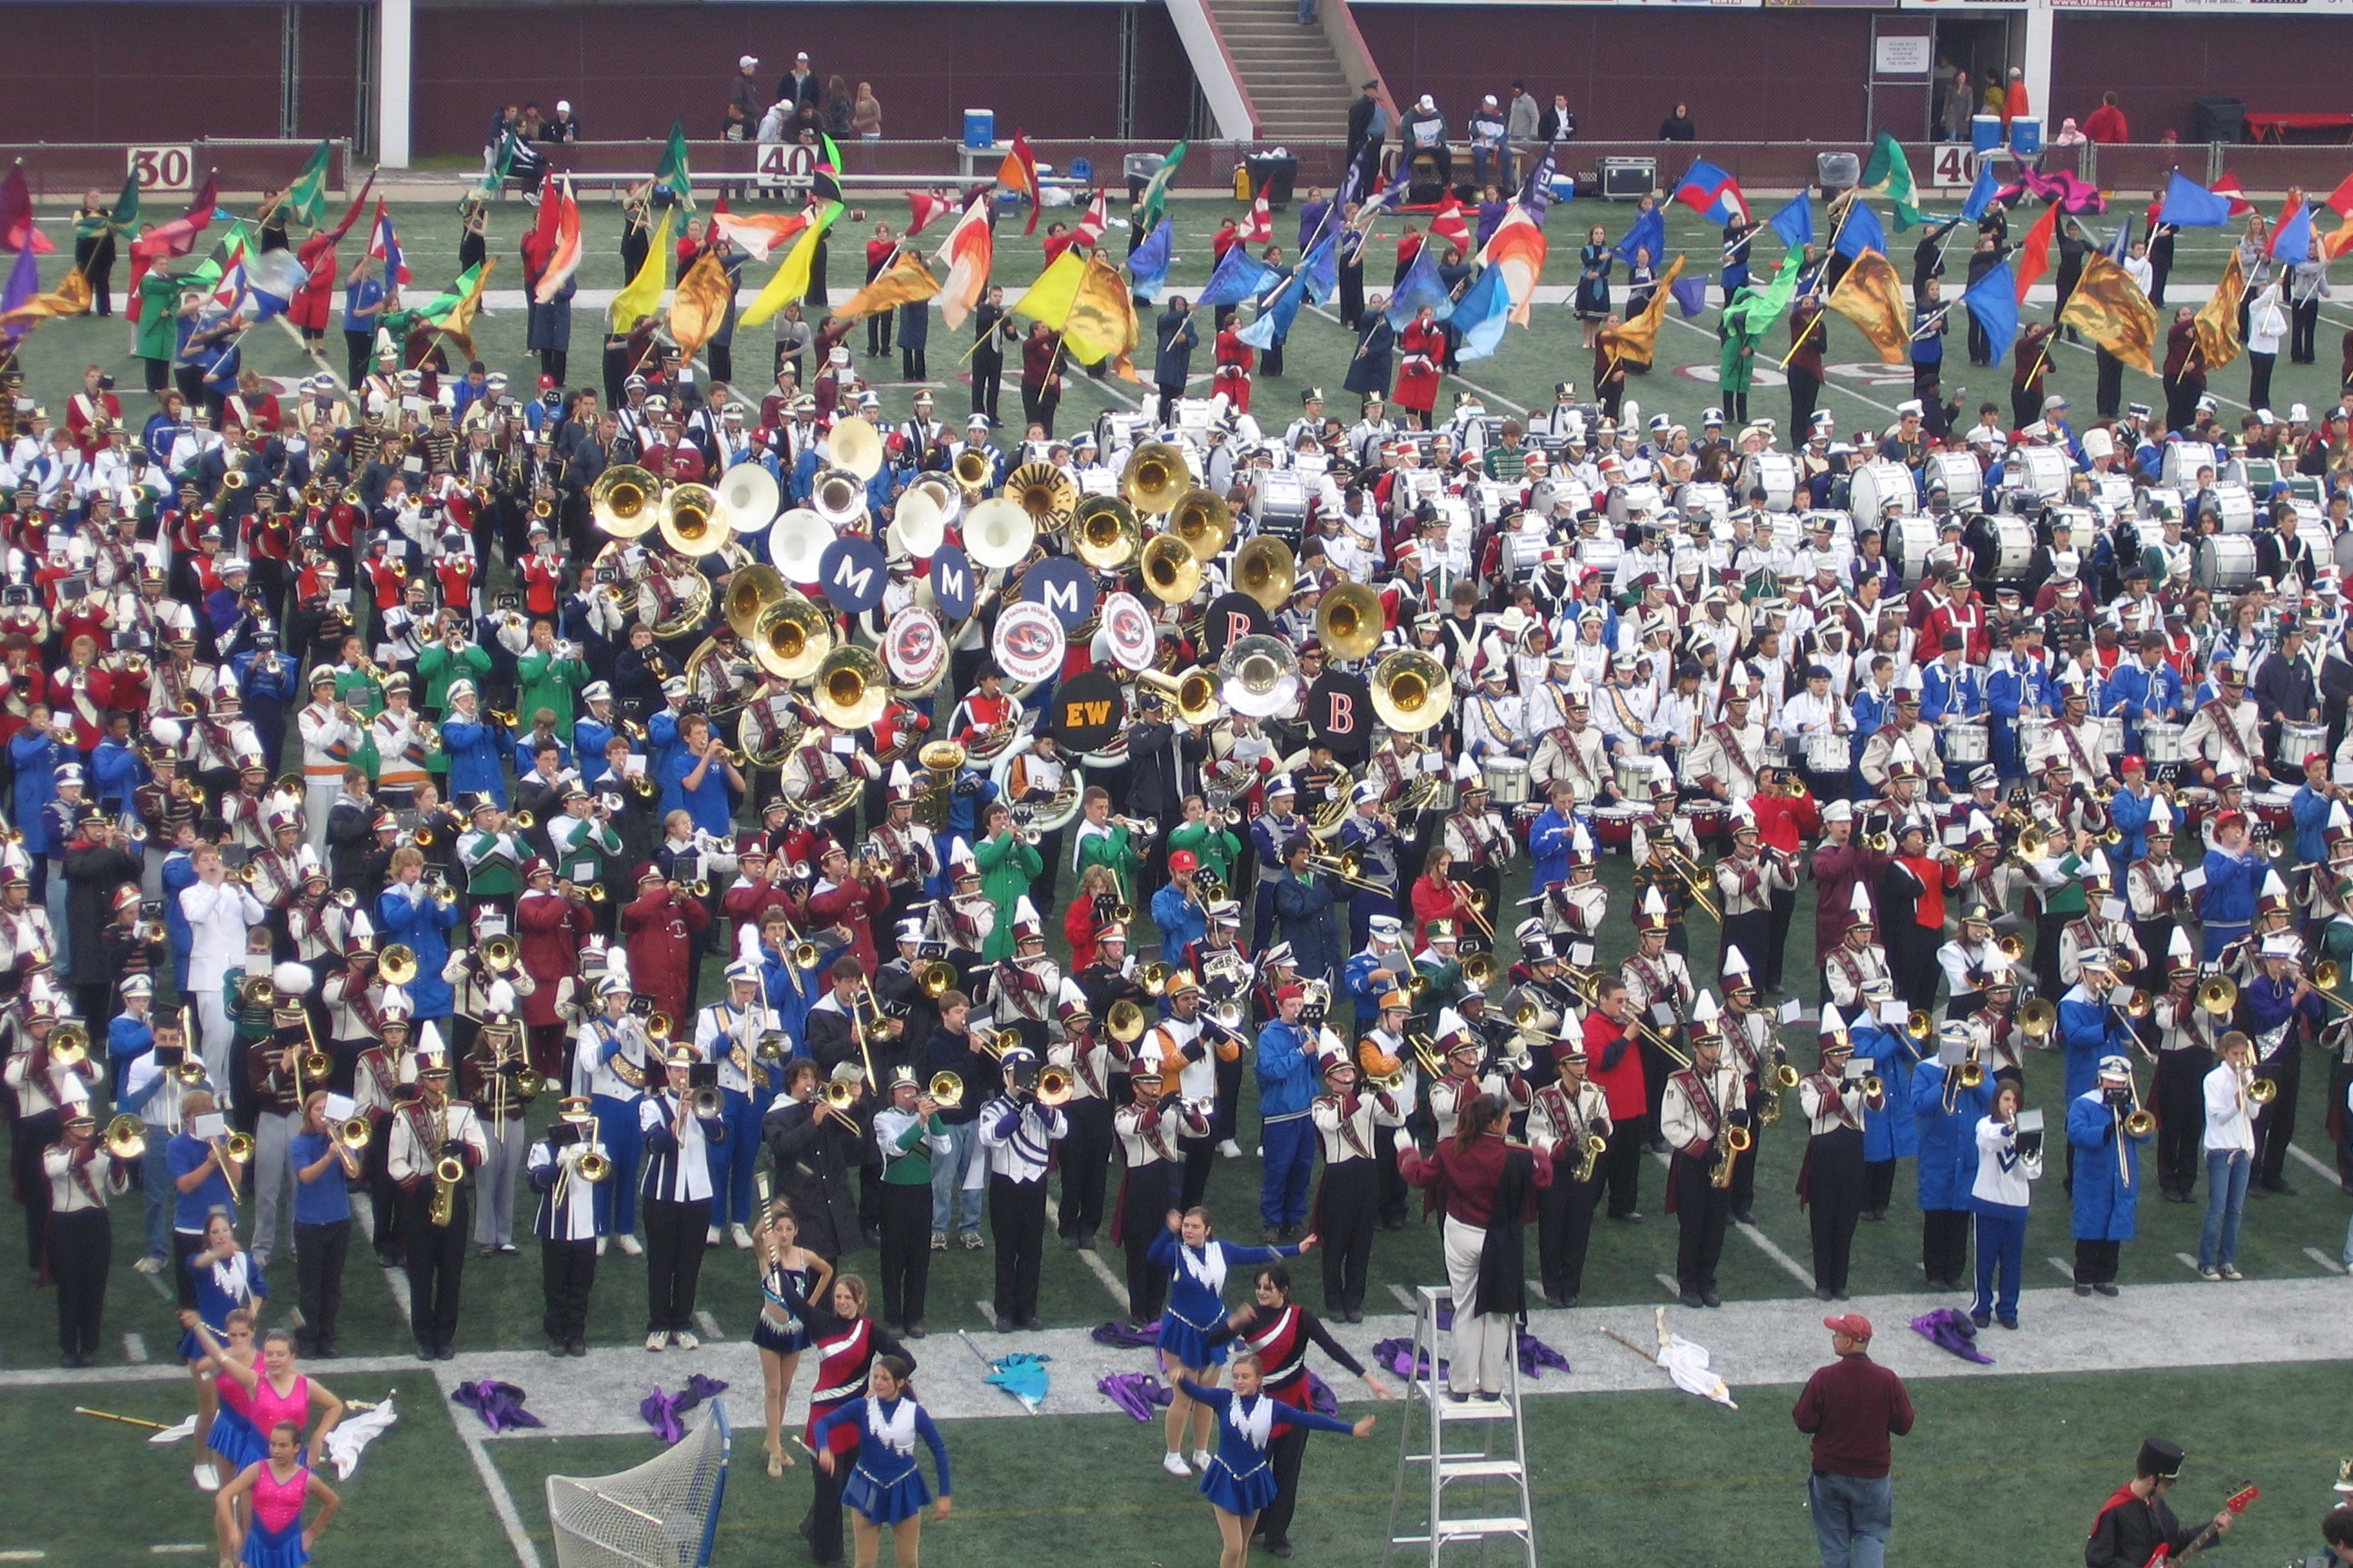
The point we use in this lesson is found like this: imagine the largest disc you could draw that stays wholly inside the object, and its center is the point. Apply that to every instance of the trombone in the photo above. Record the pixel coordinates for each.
(1695, 882)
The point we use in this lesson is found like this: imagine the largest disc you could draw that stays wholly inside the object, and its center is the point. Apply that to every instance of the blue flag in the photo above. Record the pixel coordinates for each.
(1148, 266)
(1992, 302)
(1239, 277)
(2292, 241)
(1861, 231)
(1317, 276)
(1420, 286)
(2189, 205)
(1649, 233)
(1481, 314)
(2120, 245)
(1981, 191)
(1691, 295)
(1536, 195)
(1795, 222)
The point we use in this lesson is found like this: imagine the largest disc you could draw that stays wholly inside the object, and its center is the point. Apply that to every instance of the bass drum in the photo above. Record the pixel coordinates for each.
(1959, 476)
(2226, 561)
(2182, 460)
(2004, 547)
(1875, 486)
(2235, 504)
(1777, 472)
(1909, 540)
(2040, 471)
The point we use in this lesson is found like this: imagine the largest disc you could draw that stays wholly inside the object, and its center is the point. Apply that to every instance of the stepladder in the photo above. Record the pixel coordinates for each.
(1462, 1463)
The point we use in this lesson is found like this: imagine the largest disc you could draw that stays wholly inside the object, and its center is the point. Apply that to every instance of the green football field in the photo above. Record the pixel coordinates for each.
(2010, 1468)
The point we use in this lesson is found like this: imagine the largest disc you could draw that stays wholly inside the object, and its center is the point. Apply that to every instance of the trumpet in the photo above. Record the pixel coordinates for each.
(705, 1103)
(68, 1045)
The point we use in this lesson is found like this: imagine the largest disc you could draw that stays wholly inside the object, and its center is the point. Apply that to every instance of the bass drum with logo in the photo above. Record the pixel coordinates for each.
(2226, 561)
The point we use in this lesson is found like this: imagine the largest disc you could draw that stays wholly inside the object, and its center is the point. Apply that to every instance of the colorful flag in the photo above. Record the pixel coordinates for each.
(791, 279)
(1147, 265)
(1637, 341)
(1691, 295)
(452, 314)
(1858, 230)
(922, 211)
(1258, 228)
(23, 284)
(1480, 315)
(175, 238)
(1755, 313)
(1100, 322)
(2229, 190)
(699, 309)
(1712, 192)
(1649, 233)
(385, 247)
(2341, 200)
(1019, 173)
(1981, 191)
(671, 170)
(641, 296)
(2218, 319)
(18, 231)
(2119, 246)
(2291, 243)
(1420, 286)
(563, 257)
(1448, 223)
(272, 279)
(2109, 308)
(2338, 241)
(2189, 205)
(2034, 251)
(538, 243)
(1871, 295)
(1517, 250)
(1889, 173)
(1091, 228)
(1795, 222)
(1049, 298)
(1239, 277)
(1992, 302)
(122, 217)
(1154, 199)
(967, 251)
(308, 194)
(905, 281)
(71, 297)
(1535, 195)
(1317, 276)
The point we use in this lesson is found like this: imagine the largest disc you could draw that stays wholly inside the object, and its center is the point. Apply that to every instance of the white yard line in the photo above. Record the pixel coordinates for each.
(708, 1324)
(1093, 1261)
(502, 1500)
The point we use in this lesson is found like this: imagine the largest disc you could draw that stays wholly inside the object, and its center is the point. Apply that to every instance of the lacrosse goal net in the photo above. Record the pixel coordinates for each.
(663, 1513)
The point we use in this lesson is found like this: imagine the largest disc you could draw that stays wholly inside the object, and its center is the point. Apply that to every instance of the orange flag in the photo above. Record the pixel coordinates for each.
(699, 307)
(904, 282)
(71, 298)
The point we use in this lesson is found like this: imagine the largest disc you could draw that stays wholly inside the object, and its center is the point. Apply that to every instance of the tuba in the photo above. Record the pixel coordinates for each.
(1105, 534)
(1260, 676)
(1268, 571)
(1204, 521)
(998, 533)
(1348, 622)
(853, 689)
(622, 501)
(1155, 477)
(1172, 573)
(1045, 492)
(839, 496)
(689, 521)
(791, 638)
(973, 471)
(855, 445)
(1411, 691)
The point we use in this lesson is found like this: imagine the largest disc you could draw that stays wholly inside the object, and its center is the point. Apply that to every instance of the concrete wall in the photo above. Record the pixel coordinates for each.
(2159, 65)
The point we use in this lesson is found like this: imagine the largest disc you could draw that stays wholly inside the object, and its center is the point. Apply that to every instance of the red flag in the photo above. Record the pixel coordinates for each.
(2341, 200)
(178, 237)
(1258, 229)
(1450, 226)
(17, 230)
(2034, 255)
(925, 210)
(1019, 170)
(2228, 185)
(353, 216)
(540, 243)
(1091, 227)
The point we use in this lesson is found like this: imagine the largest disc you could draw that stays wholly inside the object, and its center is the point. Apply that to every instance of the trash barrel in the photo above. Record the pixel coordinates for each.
(2222, 118)
(1272, 175)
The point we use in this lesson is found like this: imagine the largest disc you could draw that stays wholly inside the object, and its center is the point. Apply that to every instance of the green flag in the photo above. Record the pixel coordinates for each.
(494, 176)
(308, 191)
(673, 170)
(1156, 193)
(122, 218)
(1755, 315)
(1890, 174)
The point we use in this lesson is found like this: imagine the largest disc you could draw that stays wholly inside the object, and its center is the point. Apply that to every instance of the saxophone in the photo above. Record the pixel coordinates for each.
(448, 1171)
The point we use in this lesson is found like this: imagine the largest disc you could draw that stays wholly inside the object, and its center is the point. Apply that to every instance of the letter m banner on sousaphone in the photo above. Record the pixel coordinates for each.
(1088, 710)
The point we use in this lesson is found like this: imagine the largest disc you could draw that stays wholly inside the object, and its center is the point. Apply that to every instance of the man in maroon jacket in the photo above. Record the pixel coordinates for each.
(1838, 865)
(1853, 1408)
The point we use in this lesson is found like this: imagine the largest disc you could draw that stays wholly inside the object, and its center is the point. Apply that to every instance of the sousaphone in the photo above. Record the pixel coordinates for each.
(750, 593)
(1348, 622)
(839, 496)
(623, 502)
(1105, 534)
(998, 533)
(791, 638)
(748, 498)
(1204, 521)
(918, 525)
(1172, 573)
(1155, 476)
(854, 444)
(1267, 571)
(851, 688)
(689, 521)
(1260, 675)
(797, 542)
(1411, 691)
(1045, 492)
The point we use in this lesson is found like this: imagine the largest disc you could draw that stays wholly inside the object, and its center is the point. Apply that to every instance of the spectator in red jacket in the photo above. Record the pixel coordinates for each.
(2106, 123)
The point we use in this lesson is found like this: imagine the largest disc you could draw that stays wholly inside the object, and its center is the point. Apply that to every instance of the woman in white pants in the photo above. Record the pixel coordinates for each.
(1489, 1187)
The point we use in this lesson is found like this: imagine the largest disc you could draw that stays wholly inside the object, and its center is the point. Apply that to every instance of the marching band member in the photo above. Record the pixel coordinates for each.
(678, 1128)
(2277, 1009)
(2105, 1181)
(1018, 1128)
(331, 734)
(2186, 1035)
(567, 1223)
(491, 1074)
(908, 1136)
(732, 1034)
(2225, 736)
(609, 1066)
(793, 1280)
(1350, 1126)
(1480, 840)
(1150, 1129)
(1747, 885)
(428, 1133)
(1657, 987)
(1945, 1113)
(1831, 1182)
(2007, 1161)
(1566, 1118)
(81, 1240)
(1703, 1104)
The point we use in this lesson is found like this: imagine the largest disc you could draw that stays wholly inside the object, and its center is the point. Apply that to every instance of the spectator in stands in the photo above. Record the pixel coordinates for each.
(1953, 109)
(1368, 129)
(2014, 105)
(565, 126)
(1520, 129)
(1424, 130)
(2106, 123)
(1488, 152)
(839, 102)
(800, 84)
(1557, 124)
(866, 114)
(743, 101)
(1678, 126)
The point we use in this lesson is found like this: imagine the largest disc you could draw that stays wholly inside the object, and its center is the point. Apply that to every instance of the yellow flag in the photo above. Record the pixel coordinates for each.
(904, 282)
(641, 296)
(2218, 319)
(2109, 308)
(792, 277)
(699, 306)
(1637, 341)
(1049, 300)
(1871, 295)
(1101, 322)
(71, 298)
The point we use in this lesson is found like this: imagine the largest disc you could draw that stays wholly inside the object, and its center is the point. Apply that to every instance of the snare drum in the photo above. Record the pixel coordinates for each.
(1776, 471)
(2161, 744)
(1970, 740)
(2226, 561)
(2033, 735)
(1828, 751)
(1909, 540)
(1615, 824)
(1634, 775)
(1507, 780)
(1875, 486)
(2297, 741)
(1710, 820)
(1445, 798)
(2112, 735)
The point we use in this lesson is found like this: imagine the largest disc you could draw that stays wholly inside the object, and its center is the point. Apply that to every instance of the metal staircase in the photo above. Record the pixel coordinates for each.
(1500, 1480)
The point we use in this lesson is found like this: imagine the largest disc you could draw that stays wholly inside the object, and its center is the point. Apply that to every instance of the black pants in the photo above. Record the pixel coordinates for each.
(1017, 1225)
(2259, 379)
(555, 362)
(1200, 1158)
(2181, 395)
(1785, 910)
(2110, 398)
(319, 1254)
(2340, 1078)
(1702, 1212)
(1146, 1198)
(825, 1509)
(2180, 1097)
(2275, 1122)
(906, 1228)
(2304, 328)
(2095, 1262)
(877, 332)
(355, 356)
(1284, 1452)
(1752, 933)
(1744, 1168)
(1564, 1227)
(34, 1135)
(1393, 1183)
(1805, 390)
(81, 1250)
(2026, 402)
(567, 1272)
(1168, 404)
(674, 1261)
(910, 364)
(383, 1202)
(1834, 1182)
(185, 1247)
(1348, 1212)
(1621, 1164)
(987, 379)
(1944, 1243)
(1878, 1185)
(437, 1264)
(1085, 1157)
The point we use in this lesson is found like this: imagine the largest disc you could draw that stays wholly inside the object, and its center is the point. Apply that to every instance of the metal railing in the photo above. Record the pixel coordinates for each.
(63, 171)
